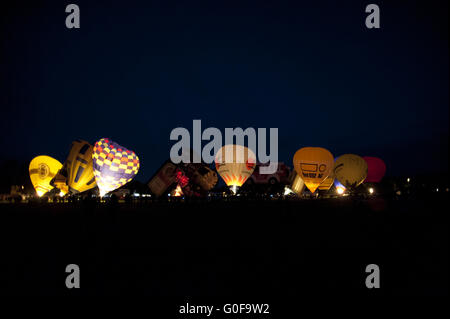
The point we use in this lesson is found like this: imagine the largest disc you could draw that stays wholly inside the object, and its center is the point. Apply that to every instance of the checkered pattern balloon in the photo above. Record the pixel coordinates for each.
(114, 165)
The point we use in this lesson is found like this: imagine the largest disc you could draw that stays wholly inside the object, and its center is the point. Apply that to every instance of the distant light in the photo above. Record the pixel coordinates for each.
(371, 190)
(136, 194)
(61, 194)
(408, 179)
(437, 189)
(340, 190)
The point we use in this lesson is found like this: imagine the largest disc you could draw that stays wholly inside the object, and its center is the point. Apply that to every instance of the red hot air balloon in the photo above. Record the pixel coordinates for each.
(375, 169)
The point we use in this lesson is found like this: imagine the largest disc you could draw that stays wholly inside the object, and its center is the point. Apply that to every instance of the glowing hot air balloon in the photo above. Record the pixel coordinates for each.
(78, 168)
(375, 169)
(235, 164)
(313, 164)
(114, 165)
(350, 170)
(42, 170)
(327, 183)
(297, 184)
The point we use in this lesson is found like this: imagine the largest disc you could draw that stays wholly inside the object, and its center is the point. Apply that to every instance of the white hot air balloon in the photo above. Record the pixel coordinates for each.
(235, 164)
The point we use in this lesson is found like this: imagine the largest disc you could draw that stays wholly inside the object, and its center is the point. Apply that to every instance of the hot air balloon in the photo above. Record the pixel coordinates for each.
(350, 170)
(375, 169)
(327, 183)
(235, 164)
(114, 165)
(313, 164)
(201, 177)
(297, 184)
(42, 170)
(77, 169)
(206, 178)
(163, 179)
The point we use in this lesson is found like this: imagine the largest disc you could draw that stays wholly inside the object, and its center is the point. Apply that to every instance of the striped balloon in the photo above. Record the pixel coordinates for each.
(114, 165)
(235, 164)
(327, 183)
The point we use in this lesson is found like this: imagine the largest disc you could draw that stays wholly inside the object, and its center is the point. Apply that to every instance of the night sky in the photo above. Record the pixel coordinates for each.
(137, 70)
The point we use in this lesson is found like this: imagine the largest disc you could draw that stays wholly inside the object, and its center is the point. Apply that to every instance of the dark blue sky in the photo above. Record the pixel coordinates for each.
(136, 70)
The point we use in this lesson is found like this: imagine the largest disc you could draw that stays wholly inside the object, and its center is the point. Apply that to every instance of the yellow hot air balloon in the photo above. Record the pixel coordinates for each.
(235, 164)
(60, 182)
(42, 170)
(78, 167)
(327, 183)
(313, 164)
(350, 170)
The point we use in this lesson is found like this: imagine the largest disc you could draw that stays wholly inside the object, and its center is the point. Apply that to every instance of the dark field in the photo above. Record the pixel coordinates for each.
(249, 248)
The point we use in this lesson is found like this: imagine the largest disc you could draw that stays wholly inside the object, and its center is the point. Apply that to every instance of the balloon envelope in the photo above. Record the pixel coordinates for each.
(313, 164)
(298, 184)
(163, 178)
(42, 169)
(235, 164)
(79, 167)
(350, 170)
(327, 183)
(375, 169)
(114, 165)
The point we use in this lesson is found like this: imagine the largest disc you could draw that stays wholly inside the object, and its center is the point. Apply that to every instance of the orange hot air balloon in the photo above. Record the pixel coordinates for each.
(313, 164)
(235, 164)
